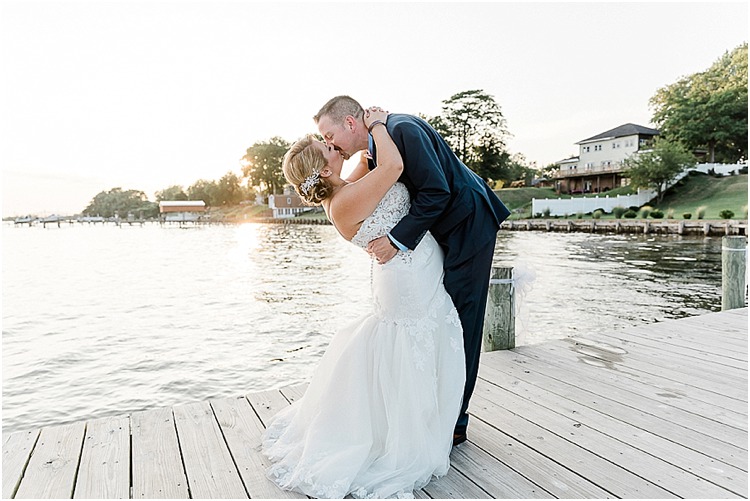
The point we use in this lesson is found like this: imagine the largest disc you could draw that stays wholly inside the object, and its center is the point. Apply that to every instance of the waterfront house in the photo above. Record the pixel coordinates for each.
(181, 210)
(599, 166)
(288, 204)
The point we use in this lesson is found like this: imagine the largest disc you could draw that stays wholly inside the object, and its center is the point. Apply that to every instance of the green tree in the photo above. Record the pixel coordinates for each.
(658, 166)
(174, 192)
(708, 109)
(262, 165)
(473, 125)
(229, 190)
(204, 190)
(121, 203)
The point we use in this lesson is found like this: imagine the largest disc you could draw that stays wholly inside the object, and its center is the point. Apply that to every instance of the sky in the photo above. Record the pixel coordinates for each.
(145, 94)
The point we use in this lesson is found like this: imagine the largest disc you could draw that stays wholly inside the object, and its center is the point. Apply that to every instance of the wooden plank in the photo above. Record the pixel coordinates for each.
(641, 338)
(706, 335)
(720, 379)
(709, 331)
(671, 478)
(631, 391)
(674, 453)
(294, 392)
(211, 473)
(454, 485)
(559, 381)
(51, 472)
(267, 403)
(497, 479)
(564, 451)
(17, 449)
(104, 472)
(660, 374)
(157, 463)
(243, 430)
(561, 482)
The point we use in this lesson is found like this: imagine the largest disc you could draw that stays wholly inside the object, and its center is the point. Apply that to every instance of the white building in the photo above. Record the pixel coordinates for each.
(599, 164)
(286, 205)
(181, 210)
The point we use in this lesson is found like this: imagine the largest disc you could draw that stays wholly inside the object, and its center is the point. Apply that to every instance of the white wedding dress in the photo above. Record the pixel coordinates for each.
(377, 418)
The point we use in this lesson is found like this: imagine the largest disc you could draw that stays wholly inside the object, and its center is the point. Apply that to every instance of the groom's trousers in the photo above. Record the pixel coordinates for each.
(468, 283)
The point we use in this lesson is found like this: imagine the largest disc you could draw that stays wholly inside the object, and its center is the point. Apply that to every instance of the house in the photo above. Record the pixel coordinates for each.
(599, 166)
(286, 205)
(181, 210)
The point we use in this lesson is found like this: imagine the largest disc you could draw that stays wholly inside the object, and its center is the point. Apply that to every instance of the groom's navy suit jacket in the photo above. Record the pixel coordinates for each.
(447, 198)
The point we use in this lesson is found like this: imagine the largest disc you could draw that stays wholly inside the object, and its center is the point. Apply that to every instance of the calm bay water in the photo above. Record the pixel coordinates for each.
(105, 320)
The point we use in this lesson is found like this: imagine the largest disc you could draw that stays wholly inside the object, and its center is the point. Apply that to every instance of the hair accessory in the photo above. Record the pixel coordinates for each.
(309, 182)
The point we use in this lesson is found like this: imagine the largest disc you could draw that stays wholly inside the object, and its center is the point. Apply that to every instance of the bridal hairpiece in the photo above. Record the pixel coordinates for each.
(309, 182)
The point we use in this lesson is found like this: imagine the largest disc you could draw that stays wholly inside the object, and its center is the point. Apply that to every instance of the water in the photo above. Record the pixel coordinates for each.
(105, 320)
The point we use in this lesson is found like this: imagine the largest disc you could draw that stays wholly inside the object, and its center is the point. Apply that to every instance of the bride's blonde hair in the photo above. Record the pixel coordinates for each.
(302, 165)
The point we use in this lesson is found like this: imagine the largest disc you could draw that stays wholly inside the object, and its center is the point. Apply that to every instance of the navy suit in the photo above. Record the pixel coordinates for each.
(462, 213)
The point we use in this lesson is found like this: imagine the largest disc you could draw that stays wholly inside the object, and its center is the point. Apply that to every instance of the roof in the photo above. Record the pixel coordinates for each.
(621, 131)
(182, 203)
(287, 200)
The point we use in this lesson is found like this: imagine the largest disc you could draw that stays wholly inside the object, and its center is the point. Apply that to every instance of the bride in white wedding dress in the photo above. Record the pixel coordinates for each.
(377, 418)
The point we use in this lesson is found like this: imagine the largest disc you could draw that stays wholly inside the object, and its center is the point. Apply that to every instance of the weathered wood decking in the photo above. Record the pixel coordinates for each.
(658, 411)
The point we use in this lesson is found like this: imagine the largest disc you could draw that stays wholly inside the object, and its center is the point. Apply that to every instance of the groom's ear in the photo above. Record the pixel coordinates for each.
(350, 122)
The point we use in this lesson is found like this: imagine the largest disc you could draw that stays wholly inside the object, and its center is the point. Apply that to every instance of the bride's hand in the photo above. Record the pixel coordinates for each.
(374, 113)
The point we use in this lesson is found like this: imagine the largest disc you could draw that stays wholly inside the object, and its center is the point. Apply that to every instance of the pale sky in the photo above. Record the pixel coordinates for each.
(143, 95)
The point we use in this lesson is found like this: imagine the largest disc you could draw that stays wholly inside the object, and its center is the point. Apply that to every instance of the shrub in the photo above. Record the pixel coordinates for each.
(546, 212)
(579, 215)
(537, 215)
(670, 214)
(645, 211)
(634, 208)
(618, 212)
(726, 214)
(743, 170)
(597, 214)
(657, 214)
(630, 214)
(687, 215)
(700, 212)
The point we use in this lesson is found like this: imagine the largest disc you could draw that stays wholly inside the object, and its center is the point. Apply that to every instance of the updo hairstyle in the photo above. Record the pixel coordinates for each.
(302, 161)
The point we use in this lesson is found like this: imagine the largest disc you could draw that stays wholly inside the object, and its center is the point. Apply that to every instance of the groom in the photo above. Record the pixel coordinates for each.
(448, 199)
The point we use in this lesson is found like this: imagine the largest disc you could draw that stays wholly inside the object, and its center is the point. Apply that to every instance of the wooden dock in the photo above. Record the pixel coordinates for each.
(657, 411)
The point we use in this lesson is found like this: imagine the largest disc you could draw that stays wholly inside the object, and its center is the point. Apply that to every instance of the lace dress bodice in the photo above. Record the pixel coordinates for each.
(392, 207)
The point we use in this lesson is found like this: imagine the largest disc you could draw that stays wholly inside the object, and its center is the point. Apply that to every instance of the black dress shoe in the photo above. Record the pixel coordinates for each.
(459, 438)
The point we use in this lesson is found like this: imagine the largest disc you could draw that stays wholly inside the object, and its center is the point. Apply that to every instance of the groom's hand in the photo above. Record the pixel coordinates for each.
(381, 249)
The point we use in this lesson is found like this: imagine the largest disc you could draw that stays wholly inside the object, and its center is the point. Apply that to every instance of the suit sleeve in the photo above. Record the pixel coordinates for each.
(431, 193)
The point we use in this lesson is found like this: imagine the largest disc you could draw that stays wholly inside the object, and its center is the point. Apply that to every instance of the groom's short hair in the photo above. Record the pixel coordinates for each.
(339, 107)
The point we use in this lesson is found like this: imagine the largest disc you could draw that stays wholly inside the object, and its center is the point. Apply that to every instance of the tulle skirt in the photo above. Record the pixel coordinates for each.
(377, 418)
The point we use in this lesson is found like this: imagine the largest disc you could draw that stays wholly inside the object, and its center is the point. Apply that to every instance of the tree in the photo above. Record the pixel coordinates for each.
(204, 190)
(708, 109)
(473, 125)
(229, 190)
(119, 202)
(657, 167)
(174, 192)
(262, 165)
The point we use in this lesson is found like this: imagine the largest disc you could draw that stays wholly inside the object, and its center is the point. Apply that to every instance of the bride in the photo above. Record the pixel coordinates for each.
(377, 418)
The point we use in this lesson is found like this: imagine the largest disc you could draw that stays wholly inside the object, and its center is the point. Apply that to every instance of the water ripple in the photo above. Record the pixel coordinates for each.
(90, 331)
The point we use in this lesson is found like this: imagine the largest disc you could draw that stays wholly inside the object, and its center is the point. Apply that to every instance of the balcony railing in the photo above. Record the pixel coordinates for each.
(589, 171)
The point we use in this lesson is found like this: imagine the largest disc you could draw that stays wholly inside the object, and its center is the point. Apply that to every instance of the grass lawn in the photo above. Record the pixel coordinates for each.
(713, 193)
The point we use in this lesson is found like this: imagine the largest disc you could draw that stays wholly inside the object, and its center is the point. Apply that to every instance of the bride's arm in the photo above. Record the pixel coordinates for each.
(358, 200)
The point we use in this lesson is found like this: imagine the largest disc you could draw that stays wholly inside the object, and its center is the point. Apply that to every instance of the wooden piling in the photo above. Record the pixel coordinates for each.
(733, 270)
(500, 318)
